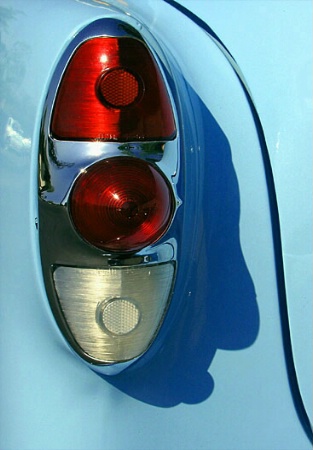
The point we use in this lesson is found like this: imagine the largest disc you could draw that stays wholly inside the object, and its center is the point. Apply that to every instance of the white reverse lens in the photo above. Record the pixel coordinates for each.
(114, 314)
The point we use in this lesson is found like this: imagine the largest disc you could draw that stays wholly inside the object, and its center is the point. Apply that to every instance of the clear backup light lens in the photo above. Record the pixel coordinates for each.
(114, 314)
(121, 204)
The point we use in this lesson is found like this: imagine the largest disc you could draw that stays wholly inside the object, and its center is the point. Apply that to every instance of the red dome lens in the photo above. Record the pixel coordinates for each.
(121, 204)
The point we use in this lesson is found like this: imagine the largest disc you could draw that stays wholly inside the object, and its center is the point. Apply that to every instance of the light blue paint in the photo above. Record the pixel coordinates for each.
(275, 56)
(236, 393)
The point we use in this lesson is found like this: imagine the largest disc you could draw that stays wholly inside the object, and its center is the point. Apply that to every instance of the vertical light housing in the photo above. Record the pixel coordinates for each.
(107, 199)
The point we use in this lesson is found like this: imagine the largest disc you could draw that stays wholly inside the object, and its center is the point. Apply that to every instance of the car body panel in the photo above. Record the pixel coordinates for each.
(285, 72)
(217, 377)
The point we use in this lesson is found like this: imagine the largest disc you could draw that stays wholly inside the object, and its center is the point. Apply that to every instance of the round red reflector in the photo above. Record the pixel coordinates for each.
(121, 204)
(119, 88)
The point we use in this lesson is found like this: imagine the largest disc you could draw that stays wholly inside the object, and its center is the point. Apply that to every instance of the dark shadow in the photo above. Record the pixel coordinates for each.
(214, 302)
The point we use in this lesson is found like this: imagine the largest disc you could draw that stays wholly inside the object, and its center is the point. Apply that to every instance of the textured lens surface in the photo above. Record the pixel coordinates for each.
(98, 97)
(121, 204)
(120, 316)
(117, 329)
(119, 88)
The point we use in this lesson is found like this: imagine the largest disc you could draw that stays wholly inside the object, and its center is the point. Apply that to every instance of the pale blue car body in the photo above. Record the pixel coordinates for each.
(232, 367)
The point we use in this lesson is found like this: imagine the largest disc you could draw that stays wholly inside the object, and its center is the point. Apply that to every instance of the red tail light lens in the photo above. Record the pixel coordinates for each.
(121, 204)
(112, 90)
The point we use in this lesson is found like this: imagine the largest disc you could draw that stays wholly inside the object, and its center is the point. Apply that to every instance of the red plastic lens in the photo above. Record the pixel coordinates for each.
(112, 90)
(121, 204)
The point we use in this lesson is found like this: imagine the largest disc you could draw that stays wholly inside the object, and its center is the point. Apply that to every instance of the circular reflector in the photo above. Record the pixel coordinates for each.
(119, 316)
(121, 204)
(119, 88)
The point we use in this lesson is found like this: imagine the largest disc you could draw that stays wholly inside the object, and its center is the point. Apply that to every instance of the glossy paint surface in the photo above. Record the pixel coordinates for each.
(277, 66)
(216, 378)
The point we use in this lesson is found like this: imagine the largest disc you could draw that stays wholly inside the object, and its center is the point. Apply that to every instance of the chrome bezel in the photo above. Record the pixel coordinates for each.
(61, 162)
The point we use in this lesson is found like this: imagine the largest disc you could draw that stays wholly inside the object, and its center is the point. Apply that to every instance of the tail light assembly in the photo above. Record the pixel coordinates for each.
(108, 171)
